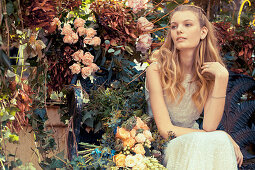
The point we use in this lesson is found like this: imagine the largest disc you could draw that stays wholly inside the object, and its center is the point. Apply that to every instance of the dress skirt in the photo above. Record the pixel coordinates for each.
(201, 151)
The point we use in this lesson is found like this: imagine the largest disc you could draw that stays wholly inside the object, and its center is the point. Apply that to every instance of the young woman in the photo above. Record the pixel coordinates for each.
(187, 77)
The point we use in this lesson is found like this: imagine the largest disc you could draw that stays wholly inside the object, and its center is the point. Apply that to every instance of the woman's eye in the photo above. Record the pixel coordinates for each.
(173, 27)
(188, 25)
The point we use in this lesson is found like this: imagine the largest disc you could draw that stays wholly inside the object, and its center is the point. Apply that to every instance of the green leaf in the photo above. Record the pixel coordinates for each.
(89, 122)
(129, 50)
(87, 115)
(5, 117)
(4, 59)
(98, 127)
(9, 8)
(111, 50)
(41, 113)
(107, 42)
(117, 52)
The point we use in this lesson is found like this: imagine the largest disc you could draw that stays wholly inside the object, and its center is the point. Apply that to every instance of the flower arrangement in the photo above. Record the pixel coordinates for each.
(131, 148)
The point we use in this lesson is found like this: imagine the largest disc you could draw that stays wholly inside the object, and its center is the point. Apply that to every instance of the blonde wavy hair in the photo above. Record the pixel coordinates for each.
(171, 72)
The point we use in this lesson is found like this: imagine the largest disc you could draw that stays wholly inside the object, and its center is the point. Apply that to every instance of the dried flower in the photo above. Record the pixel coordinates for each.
(119, 160)
(75, 68)
(85, 72)
(79, 22)
(137, 5)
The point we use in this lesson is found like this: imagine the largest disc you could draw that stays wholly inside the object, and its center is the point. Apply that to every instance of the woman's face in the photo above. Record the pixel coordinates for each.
(185, 30)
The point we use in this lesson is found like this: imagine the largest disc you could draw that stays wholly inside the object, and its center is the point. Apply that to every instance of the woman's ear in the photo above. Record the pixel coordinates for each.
(204, 32)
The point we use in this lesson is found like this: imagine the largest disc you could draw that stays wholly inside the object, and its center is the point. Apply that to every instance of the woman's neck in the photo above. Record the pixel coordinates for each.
(187, 58)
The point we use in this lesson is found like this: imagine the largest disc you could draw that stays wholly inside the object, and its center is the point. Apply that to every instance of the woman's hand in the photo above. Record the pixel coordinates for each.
(238, 153)
(214, 68)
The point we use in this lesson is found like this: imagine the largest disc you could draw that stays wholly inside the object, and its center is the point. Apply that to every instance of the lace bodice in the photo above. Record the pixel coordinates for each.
(185, 114)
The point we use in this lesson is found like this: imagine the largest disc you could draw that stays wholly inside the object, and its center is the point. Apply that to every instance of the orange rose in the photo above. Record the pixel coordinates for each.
(139, 149)
(140, 124)
(122, 133)
(133, 133)
(119, 160)
(129, 142)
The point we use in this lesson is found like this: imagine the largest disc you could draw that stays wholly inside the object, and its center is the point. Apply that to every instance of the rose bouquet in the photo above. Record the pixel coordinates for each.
(131, 148)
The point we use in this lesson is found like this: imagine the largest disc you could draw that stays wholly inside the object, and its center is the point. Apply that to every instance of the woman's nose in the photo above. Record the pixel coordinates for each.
(179, 29)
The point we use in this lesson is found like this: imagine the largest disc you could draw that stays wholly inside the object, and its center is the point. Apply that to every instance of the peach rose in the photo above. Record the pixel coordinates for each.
(81, 31)
(67, 30)
(140, 124)
(140, 138)
(77, 56)
(129, 142)
(119, 160)
(75, 37)
(68, 39)
(90, 32)
(139, 149)
(122, 134)
(130, 161)
(88, 40)
(87, 58)
(94, 67)
(75, 68)
(96, 41)
(85, 72)
(148, 135)
(79, 22)
(133, 133)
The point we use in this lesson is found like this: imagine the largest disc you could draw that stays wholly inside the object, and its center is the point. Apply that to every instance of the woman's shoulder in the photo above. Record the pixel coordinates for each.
(154, 66)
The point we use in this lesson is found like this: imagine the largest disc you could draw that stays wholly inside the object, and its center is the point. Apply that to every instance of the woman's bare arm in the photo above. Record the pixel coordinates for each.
(158, 106)
(215, 103)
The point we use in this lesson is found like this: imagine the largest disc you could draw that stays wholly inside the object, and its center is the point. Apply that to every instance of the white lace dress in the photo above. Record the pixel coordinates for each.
(196, 150)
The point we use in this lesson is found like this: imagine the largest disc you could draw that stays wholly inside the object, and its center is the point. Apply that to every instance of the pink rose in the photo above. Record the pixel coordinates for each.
(56, 21)
(67, 30)
(96, 41)
(137, 5)
(90, 32)
(75, 37)
(144, 24)
(88, 40)
(81, 31)
(68, 39)
(79, 22)
(140, 138)
(87, 58)
(144, 43)
(75, 68)
(77, 56)
(85, 72)
(94, 67)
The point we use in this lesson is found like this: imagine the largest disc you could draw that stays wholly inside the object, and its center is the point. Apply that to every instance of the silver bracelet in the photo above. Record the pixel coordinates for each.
(218, 97)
